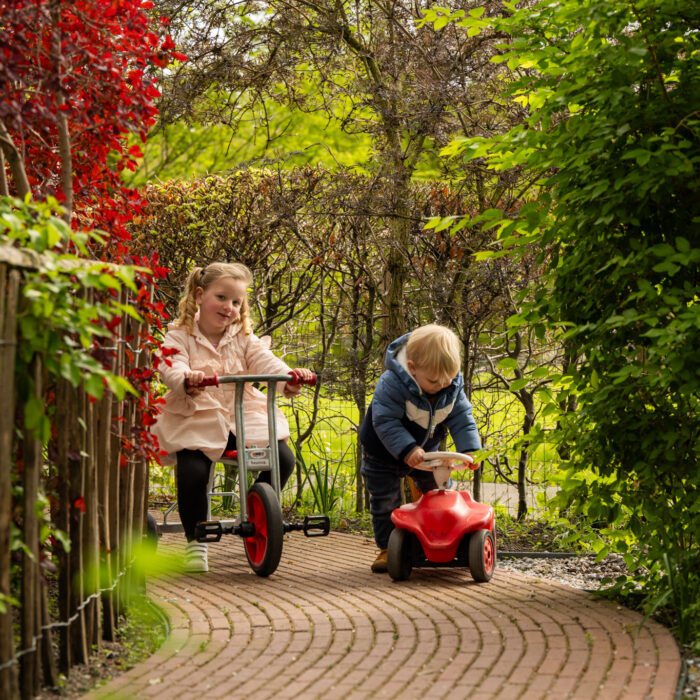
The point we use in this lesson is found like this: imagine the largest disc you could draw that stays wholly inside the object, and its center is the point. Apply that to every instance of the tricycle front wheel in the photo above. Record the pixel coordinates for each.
(264, 548)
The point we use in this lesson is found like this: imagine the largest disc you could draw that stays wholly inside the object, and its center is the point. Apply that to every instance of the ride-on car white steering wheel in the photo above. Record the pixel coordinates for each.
(442, 464)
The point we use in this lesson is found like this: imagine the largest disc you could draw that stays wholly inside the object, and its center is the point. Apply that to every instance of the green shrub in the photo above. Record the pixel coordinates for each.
(613, 141)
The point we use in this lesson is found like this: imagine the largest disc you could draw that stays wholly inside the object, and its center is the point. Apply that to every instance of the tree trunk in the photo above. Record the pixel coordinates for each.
(4, 188)
(64, 140)
(528, 422)
(399, 226)
(19, 175)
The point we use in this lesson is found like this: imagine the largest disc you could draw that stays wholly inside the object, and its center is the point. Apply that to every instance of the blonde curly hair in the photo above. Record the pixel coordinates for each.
(203, 277)
(436, 349)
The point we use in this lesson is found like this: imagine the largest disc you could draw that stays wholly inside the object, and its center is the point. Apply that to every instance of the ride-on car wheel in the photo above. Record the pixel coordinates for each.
(482, 555)
(264, 548)
(398, 556)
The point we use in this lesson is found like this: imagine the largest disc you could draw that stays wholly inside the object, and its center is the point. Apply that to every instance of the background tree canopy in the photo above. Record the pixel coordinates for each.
(368, 67)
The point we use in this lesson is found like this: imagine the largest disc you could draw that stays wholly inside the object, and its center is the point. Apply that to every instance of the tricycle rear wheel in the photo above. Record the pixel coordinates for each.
(151, 535)
(264, 548)
(398, 556)
(482, 555)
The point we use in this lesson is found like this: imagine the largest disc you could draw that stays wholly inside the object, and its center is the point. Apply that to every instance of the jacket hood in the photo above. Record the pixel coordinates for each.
(395, 361)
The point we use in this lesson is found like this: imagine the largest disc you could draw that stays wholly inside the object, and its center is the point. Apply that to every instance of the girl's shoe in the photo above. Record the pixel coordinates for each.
(196, 558)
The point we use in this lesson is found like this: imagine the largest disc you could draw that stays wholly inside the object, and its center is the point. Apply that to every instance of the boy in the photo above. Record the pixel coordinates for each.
(417, 399)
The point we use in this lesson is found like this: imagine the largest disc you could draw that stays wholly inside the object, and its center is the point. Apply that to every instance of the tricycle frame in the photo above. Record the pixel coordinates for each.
(269, 527)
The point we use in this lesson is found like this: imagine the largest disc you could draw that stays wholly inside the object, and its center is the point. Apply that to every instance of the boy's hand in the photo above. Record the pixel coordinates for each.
(305, 375)
(194, 377)
(415, 456)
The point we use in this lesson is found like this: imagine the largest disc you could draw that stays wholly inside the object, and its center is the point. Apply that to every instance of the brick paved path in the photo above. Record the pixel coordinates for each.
(324, 626)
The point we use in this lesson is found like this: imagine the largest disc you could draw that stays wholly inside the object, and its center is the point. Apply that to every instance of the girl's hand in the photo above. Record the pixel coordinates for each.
(194, 377)
(306, 375)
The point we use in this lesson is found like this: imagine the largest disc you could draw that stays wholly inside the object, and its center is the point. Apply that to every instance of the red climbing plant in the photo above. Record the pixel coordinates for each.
(78, 90)
(76, 80)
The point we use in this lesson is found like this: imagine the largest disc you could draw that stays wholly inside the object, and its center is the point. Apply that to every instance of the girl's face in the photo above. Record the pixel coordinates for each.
(220, 304)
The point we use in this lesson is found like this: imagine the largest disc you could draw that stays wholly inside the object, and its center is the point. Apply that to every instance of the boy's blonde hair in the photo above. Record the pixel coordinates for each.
(205, 276)
(436, 349)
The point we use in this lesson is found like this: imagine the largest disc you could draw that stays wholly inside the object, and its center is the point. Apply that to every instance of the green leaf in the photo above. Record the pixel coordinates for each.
(507, 363)
(446, 222)
(94, 386)
(641, 155)
(683, 244)
(109, 282)
(33, 413)
(518, 384)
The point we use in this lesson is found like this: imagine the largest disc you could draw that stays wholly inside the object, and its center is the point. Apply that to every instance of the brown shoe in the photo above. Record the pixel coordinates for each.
(379, 564)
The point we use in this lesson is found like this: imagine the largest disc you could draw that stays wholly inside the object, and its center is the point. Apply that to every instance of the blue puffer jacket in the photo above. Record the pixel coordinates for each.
(400, 417)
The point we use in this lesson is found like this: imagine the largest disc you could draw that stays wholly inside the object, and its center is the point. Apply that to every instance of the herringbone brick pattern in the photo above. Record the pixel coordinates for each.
(324, 626)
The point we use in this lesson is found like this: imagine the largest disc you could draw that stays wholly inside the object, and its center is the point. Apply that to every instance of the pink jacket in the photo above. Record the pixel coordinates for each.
(203, 422)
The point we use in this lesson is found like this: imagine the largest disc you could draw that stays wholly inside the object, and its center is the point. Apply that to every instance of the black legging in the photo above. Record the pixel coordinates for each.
(192, 479)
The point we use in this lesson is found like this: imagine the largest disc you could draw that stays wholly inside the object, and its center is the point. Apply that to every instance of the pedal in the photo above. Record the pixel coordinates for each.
(208, 531)
(316, 525)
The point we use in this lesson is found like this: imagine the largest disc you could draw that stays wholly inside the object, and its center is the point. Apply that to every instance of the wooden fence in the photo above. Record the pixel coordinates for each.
(66, 599)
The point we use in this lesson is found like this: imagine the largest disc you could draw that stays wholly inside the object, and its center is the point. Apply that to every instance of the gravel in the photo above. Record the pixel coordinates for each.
(579, 572)
(585, 573)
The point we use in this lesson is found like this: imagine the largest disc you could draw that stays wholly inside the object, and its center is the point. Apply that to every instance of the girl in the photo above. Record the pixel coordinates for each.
(197, 425)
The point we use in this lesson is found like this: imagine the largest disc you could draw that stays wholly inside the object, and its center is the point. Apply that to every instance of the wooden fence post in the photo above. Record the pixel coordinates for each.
(126, 514)
(62, 520)
(9, 296)
(91, 535)
(76, 505)
(91, 539)
(105, 498)
(115, 479)
(116, 474)
(48, 660)
(140, 467)
(30, 663)
(73, 647)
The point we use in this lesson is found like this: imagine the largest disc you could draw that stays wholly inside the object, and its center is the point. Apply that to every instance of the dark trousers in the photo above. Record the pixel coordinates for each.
(192, 479)
(383, 482)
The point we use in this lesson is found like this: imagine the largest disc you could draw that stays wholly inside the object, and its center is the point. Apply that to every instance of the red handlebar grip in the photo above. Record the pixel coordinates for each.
(207, 381)
(296, 379)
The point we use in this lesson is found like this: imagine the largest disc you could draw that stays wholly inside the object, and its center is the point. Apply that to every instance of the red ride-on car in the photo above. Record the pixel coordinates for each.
(444, 527)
